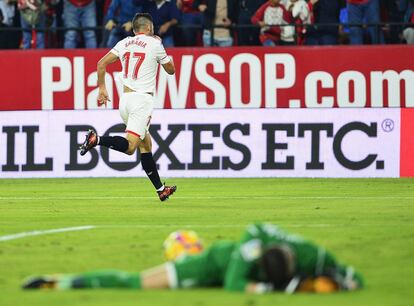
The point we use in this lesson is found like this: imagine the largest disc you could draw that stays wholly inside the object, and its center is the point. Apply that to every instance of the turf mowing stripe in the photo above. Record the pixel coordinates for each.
(44, 232)
(202, 226)
(145, 226)
(208, 198)
(149, 226)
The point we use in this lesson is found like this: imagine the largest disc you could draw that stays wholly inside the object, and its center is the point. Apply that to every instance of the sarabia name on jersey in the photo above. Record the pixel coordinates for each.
(137, 42)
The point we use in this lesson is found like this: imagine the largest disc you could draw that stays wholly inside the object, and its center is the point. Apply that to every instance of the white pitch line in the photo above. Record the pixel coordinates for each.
(44, 232)
(207, 198)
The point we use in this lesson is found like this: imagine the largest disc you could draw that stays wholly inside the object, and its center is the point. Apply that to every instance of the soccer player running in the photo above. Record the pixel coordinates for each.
(265, 259)
(140, 56)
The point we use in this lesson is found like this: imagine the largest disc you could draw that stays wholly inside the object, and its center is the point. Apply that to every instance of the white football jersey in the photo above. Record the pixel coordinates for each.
(140, 56)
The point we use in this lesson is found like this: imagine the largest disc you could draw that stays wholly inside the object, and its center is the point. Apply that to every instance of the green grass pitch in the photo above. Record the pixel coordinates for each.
(368, 223)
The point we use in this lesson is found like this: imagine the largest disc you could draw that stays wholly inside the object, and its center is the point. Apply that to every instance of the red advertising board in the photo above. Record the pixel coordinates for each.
(407, 143)
(257, 77)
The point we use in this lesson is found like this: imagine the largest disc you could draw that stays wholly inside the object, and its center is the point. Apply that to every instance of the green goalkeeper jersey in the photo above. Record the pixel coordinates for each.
(227, 264)
(234, 265)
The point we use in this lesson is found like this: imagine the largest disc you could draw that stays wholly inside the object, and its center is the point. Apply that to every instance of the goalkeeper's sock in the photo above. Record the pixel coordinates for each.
(103, 279)
(117, 143)
(150, 168)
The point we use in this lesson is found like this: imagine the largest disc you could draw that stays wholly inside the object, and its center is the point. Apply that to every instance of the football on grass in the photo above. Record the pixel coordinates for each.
(182, 243)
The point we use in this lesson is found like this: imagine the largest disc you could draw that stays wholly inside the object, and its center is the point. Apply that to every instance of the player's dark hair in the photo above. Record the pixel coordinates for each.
(275, 263)
(140, 20)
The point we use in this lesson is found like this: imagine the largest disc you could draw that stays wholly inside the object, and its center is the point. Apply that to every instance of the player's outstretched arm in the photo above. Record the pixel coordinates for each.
(237, 279)
(244, 257)
(241, 263)
(169, 67)
(163, 59)
(109, 58)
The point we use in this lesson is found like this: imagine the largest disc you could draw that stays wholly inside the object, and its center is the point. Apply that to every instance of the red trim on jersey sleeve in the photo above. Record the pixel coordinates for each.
(287, 15)
(259, 15)
(133, 133)
(312, 18)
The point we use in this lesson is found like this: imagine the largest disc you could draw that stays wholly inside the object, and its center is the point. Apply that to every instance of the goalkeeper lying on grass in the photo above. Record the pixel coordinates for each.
(265, 259)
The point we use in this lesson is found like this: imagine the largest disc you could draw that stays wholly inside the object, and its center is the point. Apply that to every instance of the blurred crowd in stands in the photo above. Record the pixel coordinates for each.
(42, 24)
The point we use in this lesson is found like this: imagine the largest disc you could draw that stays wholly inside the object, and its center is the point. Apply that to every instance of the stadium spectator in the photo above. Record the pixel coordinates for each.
(248, 36)
(390, 13)
(361, 11)
(270, 16)
(79, 13)
(33, 17)
(324, 11)
(217, 12)
(302, 13)
(190, 17)
(165, 15)
(343, 32)
(120, 26)
(8, 39)
(407, 6)
(265, 259)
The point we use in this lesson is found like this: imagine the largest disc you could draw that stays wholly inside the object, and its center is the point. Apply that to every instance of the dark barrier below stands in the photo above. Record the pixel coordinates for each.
(381, 29)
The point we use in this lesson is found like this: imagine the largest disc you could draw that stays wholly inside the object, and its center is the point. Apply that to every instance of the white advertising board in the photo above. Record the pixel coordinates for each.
(208, 143)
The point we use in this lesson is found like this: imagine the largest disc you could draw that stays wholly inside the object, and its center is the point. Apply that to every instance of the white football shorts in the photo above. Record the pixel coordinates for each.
(136, 110)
